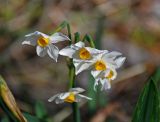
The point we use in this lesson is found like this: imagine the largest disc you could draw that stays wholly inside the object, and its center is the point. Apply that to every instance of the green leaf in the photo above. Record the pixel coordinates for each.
(89, 39)
(61, 26)
(40, 110)
(92, 104)
(77, 37)
(5, 119)
(31, 118)
(148, 105)
(156, 76)
(69, 31)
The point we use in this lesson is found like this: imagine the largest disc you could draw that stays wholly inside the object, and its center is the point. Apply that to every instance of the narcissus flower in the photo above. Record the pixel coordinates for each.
(82, 56)
(44, 43)
(104, 68)
(105, 61)
(104, 78)
(70, 97)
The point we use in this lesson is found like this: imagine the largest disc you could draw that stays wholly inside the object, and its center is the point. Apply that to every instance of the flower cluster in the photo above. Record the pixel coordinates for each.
(102, 63)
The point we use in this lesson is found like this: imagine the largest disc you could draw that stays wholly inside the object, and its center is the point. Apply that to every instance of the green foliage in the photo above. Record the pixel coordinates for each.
(92, 104)
(148, 105)
(77, 37)
(31, 118)
(156, 76)
(61, 26)
(5, 119)
(9, 106)
(89, 39)
(40, 110)
(41, 114)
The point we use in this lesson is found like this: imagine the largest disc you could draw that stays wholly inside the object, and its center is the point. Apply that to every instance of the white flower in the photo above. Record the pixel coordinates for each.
(104, 78)
(82, 56)
(112, 60)
(100, 62)
(45, 43)
(70, 97)
(104, 68)
(78, 51)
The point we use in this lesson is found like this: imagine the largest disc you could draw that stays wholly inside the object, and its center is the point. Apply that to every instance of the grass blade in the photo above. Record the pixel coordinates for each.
(148, 105)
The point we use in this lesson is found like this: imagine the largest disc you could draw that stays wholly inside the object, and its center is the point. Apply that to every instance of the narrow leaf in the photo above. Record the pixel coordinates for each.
(156, 76)
(5, 119)
(61, 26)
(77, 37)
(31, 118)
(148, 105)
(89, 39)
(69, 31)
(40, 110)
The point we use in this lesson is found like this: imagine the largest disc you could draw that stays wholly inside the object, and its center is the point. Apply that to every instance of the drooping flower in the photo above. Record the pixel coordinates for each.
(104, 68)
(82, 56)
(102, 60)
(44, 43)
(70, 97)
(104, 78)
(102, 63)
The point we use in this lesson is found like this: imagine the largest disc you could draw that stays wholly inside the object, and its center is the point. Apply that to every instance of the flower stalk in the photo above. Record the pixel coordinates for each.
(76, 112)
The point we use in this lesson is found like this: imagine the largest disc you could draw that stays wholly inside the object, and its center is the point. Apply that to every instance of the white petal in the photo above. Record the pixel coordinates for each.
(58, 37)
(105, 84)
(67, 51)
(80, 44)
(53, 52)
(62, 96)
(53, 98)
(113, 54)
(79, 97)
(76, 90)
(110, 63)
(58, 101)
(106, 73)
(95, 73)
(119, 61)
(41, 51)
(31, 39)
(37, 33)
(81, 66)
(95, 51)
(96, 84)
(114, 74)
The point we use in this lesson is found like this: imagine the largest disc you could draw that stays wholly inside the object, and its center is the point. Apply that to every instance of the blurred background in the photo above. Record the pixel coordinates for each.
(129, 26)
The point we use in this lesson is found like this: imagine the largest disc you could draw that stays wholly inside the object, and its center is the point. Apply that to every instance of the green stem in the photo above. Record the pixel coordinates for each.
(76, 112)
(71, 74)
(92, 104)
